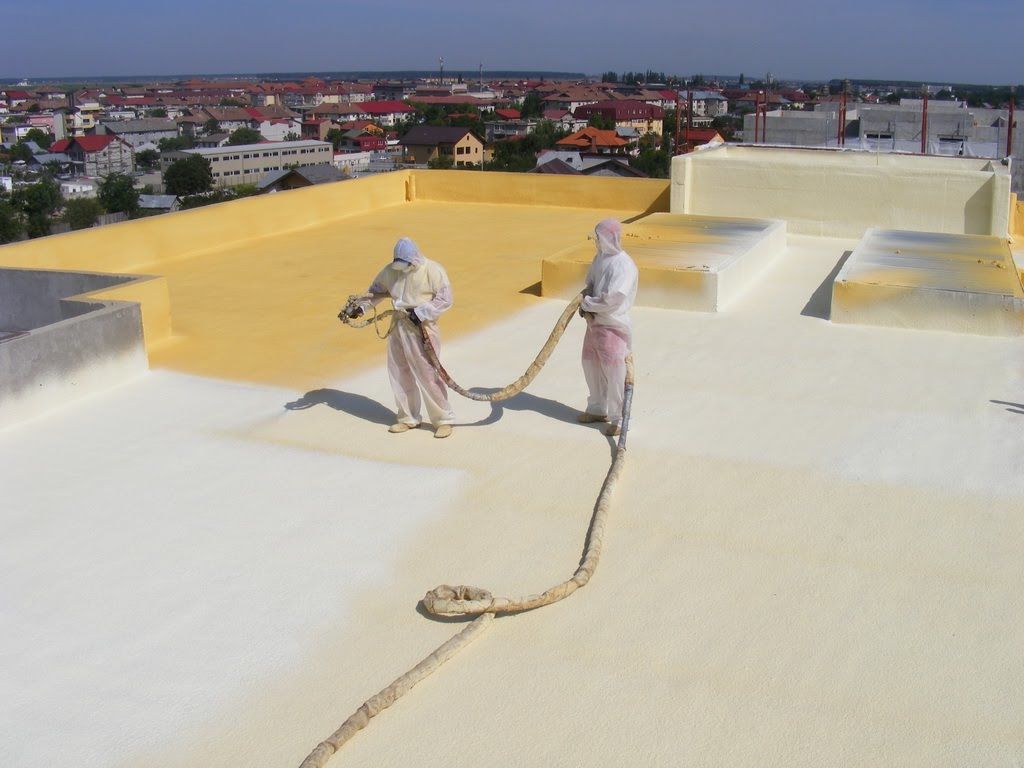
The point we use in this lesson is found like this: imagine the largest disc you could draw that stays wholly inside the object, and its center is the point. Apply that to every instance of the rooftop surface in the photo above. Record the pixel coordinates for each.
(813, 555)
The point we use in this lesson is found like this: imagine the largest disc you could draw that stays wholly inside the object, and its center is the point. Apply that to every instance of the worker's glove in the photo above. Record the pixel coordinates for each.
(414, 317)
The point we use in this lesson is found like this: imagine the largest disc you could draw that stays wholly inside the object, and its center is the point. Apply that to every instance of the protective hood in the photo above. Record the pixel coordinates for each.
(407, 252)
(608, 234)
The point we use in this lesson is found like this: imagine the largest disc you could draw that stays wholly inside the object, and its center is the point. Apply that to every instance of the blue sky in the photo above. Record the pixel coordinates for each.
(934, 40)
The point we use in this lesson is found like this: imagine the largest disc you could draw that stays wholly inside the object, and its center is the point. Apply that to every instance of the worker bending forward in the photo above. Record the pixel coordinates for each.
(608, 296)
(420, 291)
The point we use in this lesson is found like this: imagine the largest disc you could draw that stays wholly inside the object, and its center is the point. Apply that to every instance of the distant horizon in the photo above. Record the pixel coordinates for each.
(467, 75)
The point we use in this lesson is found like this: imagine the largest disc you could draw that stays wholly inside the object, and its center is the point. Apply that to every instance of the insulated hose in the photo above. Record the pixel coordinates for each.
(447, 600)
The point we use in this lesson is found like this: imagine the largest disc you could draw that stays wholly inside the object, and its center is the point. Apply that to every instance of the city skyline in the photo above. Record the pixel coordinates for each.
(876, 40)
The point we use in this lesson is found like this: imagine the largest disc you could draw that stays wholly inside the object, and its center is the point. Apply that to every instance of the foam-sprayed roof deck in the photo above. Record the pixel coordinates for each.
(813, 557)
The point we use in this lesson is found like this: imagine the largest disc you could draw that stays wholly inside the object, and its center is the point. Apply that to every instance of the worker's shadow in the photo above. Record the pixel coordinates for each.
(355, 405)
(524, 401)
(1014, 407)
(370, 410)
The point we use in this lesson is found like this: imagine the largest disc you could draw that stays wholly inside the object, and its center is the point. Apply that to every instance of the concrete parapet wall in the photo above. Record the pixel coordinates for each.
(46, 367)
(145, 242)
(843, 193)
(33, 298)
(647, 195)
(1017, 217)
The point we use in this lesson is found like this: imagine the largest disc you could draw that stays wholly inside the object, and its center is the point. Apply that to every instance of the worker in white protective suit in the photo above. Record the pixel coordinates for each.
(608, 296)
(420, 291)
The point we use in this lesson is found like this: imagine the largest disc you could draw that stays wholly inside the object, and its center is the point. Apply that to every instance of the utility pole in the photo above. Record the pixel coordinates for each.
(689, 116)
(924, 121)
(1009, 126)
(675, 146)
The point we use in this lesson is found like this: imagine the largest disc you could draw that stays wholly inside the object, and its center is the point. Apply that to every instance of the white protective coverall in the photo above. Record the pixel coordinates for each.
(609, 295)
(415, 283)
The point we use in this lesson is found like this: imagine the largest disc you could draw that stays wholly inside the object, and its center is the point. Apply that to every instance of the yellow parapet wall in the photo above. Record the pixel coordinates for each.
(1017, 217)
(843, 193)
(646, 195)
(253, 286)
(137, 245)
(154, 300)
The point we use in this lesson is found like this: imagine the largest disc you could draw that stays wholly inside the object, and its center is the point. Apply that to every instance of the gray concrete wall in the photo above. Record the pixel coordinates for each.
(31, 298)
(67, 348)
(58, 363)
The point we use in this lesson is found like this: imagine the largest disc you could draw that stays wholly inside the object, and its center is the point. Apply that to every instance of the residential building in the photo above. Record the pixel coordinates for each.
(705, 103)
(508, 129)
(76, 189)
(296, 178)
(565, 120)
(136, 132)
(626, 113)
(594, 140)
(247, 163)
(564, 162)
(424, 143)
(97, 155)
(159, 203)
(363, 140)
(84, 117)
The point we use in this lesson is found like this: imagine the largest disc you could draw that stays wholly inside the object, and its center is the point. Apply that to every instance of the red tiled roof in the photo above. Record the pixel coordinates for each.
(96, 142)
(60, 146)
(625, 109)
(508, 114)
(702, 135)
(384, 107)
(595, 137)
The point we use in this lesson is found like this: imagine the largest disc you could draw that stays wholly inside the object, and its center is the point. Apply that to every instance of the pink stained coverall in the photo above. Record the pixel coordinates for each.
(414, 282)
(609, 295)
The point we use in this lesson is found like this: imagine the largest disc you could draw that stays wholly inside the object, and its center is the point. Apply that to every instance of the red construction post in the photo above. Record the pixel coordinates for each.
(924, 123)
(757, 115)
(841, 129)
(764, 120)
(1009, 128)
(689, 116)
(675, 147)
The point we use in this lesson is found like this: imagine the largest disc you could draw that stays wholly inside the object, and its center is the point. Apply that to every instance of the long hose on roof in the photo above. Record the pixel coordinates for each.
(461, 600)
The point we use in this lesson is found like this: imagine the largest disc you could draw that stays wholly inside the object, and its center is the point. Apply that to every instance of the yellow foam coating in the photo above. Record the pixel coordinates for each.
(153, 297)
(1016, 217)
(266, 311)
(255, 285)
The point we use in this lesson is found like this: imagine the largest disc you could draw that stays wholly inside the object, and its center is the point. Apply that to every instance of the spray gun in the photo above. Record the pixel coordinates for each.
(352, 310)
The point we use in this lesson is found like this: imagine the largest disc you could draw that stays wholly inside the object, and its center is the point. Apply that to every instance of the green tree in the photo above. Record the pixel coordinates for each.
(82, 213)
(292, 136)
(227, 101)
(10, 223)
(654, 162)
(609, 77)
(38, 201)
(40, 137)
(442, 162)
(533, 106)
(148, 159)
(158, 112)
(244, 135)
(211, 126)
(601, 122)
(189, 176)
(20, 151)
(335, 136)
(175, 143)
(117, 194)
